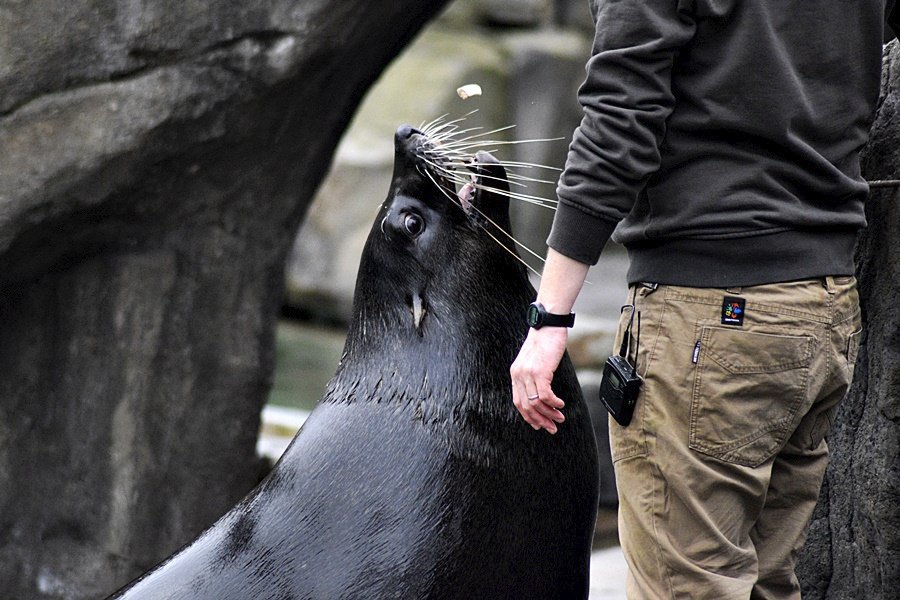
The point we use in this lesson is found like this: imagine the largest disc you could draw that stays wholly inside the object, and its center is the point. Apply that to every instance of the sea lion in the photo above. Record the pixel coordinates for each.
(415, 477)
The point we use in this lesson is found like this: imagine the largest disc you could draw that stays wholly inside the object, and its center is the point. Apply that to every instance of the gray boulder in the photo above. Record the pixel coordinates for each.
(853, 547)
(157, 159)
(517, 13)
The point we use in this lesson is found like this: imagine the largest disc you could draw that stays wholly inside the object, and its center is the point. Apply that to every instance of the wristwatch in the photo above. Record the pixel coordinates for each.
(538, 317)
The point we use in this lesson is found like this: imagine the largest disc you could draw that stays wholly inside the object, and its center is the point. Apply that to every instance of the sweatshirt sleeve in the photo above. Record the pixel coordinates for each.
(626, 99)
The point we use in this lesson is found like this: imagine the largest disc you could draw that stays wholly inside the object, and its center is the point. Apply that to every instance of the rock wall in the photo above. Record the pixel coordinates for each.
(853, 548)
(157, 159)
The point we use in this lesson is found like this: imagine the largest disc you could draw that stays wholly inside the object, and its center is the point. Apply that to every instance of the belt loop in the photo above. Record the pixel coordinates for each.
(829, 285)
(734, 290)
(647, 288)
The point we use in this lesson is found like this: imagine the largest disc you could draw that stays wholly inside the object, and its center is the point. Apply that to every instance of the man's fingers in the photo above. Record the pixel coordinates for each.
(532, 396)
(539, 414)
(548, 397)
(548, 411)
(535, 412)
(522, 404)
(534, 417)
(547, 404)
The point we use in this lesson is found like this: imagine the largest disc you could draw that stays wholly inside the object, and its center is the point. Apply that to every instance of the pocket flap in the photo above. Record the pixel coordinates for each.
(740, 351)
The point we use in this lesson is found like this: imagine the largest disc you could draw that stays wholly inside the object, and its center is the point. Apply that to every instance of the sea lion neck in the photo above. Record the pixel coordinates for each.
(411, 307)
(437, 291)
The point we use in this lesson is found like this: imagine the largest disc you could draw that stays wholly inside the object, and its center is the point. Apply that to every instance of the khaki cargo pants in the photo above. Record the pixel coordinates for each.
(719, 471)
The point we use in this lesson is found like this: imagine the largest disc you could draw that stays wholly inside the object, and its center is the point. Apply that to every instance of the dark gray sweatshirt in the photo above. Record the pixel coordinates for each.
(723, 137)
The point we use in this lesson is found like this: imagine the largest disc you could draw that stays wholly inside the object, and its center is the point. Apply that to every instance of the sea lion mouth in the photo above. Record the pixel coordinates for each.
(466, 194)
(471, 192)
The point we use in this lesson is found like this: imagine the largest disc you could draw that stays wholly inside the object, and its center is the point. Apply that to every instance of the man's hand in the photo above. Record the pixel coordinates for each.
(539, 357)
(532, 373)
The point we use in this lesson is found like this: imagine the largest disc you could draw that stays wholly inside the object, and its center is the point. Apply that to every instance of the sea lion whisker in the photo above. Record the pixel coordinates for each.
(451, 134)
(481, 143)
(461, 146)
(487, 149)
(443, 169)
(502, 245)
(446, 192)
(463, 177)
(437, 125)
(448, 155)
(486, 176)
(424, 127)
(454, 171)
(536, 200)
(453, 122)
(439, 134)
(445, 153)
(518, 177)
(427, 173)
(514, 164)
(525, 185)
(484, 229)
(511, 237)
(477, 135)
(507, 164)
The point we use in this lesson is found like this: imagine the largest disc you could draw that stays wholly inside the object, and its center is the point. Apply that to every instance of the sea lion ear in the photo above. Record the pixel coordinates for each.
(492, 193)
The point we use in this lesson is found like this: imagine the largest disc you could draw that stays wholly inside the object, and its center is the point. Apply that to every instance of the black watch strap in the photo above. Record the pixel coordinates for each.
(539, 317)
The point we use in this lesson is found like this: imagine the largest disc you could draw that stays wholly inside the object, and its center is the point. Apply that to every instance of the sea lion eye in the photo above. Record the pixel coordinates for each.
(413, 224)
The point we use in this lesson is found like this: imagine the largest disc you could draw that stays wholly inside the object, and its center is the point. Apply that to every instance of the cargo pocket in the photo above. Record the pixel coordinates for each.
(748, 388)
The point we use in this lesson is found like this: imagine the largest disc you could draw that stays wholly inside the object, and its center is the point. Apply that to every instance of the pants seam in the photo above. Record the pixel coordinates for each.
(658, 492)
(659, 487)
(652, 353)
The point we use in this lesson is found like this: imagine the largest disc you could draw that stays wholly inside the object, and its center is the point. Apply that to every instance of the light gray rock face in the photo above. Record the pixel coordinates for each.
(574, 13)
(853, 548)
(517, 13)
(522, 13)
(157, 159)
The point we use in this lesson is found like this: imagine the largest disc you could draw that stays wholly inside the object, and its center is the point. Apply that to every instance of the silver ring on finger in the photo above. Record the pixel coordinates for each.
(533, 398)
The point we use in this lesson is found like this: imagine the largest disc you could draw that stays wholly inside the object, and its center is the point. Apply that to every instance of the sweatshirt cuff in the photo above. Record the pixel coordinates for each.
(579, 235)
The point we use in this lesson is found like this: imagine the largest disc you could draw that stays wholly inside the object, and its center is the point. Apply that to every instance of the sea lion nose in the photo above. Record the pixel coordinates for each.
(405, 132)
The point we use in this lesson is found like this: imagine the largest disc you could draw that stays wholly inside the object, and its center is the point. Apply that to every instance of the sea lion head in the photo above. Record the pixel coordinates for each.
(435, 254)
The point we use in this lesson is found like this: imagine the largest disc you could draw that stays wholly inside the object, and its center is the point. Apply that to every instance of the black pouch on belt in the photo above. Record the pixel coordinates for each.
(621, 383)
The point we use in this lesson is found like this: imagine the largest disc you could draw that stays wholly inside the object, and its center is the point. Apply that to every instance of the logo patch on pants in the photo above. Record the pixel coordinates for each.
(733, 311)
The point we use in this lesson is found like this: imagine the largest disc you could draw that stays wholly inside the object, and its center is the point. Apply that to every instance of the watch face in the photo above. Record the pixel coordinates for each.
(533, 315)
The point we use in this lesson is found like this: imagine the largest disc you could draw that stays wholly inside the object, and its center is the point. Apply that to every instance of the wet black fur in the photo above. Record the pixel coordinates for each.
(415, 477)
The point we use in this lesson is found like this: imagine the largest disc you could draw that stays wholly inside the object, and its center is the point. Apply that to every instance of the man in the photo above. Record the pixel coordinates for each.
(724, 135)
